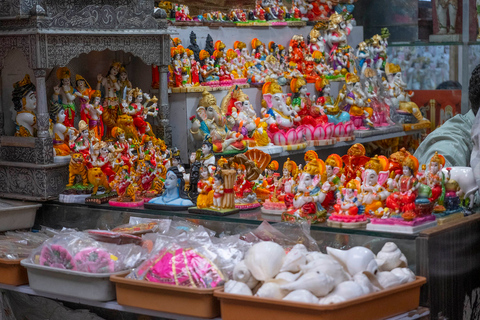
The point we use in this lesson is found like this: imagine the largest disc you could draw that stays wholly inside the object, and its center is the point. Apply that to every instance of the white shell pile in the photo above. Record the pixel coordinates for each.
(314, 277)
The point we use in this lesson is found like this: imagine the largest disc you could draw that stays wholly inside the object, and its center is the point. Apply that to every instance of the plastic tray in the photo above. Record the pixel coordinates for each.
(166, 298)
(12, 273)
(17, 214)
(74, 284)
(378, 305)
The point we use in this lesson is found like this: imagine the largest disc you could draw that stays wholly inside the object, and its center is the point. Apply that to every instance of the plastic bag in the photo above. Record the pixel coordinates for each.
(17, 245)
(77, 251)
(285, 234)
(137, 225)
(191, 259)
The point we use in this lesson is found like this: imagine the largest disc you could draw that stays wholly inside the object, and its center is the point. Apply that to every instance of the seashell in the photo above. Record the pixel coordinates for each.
(301, 296)
(390, 257)
(404, 274)
(242, 274)
(387, 279)
(237, 287)
(344, 291)
(315, 255)
(364, 282)
(264, 260)
(296, 258)
(355, 260)
(328, 266)
(287, 276)
(271, 290)
(317, 283)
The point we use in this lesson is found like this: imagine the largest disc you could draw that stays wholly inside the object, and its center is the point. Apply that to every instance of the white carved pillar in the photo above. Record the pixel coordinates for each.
(165, 129)
(43, 143)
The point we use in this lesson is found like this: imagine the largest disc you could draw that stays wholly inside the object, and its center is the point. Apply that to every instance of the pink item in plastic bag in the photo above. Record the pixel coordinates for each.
(94, 260)
(56, 256)
(184, 267)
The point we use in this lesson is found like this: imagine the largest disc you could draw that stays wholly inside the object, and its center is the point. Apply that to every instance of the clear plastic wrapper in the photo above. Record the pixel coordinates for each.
(77, 251)
(192, 259)
(138, 226)
(285, 234)
(18, 245)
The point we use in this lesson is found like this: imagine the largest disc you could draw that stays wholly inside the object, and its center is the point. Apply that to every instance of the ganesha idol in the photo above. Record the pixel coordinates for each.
(310, 193)
(372, 193)
(348, 214)
(342, 125)
(213, 126)
(283, 122)
(318, 131)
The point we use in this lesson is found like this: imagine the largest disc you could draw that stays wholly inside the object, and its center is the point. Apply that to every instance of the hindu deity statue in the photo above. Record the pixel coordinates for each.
(174, 194)
(62, 133)
(94, 111)
(346, 208)
(354, 102)
(403, 201)
(24, 103)
(320, 10)
(399, 100)
(225, 77)
(372, 193)
(379, 52)
(274, 69)
(194, 69)
(208, 70)
(381, 110)
(354, 161)
(309, 196)
(279, 115)
(205, 188)
(333, 170)
(442, 7)
(213, 126)
(82, 143)
(83, 93)
(64, 94)
(363, 56)
(434, 177)
(308, 112)
(125, 84)
(316, 41)
(336, 37)
(111, 103)
(176, 53)
(122, 147)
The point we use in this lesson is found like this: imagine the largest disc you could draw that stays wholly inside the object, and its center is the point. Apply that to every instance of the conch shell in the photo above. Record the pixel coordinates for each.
(264, 260)
(344, 291)
(296, 258)
(404, 274)
(287, 276)
(242, 274)
(355, 260)
(390, 257)
(271, 290)
(386, 279)
(317, 283)
(301, 296)
(364, 282)
(328, 266)
(237, 287)
(315, 255)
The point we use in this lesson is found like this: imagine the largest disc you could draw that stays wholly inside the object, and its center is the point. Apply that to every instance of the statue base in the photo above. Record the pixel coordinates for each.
(293, 147)
(271, 150)
(275, 212)
(213, 212)
(343, 139)
(318, 143)
(129, 204)
(246, 206)
(398, 225)
(73, 198)
(447, 218)
(162, 207)
(101, 198)
(347, 224)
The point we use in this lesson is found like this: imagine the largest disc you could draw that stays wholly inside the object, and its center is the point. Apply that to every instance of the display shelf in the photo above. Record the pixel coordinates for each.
(111, 305)
(419, 313)
(423, 44)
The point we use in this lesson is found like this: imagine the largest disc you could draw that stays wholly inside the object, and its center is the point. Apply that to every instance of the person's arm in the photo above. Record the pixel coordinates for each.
(452, 140)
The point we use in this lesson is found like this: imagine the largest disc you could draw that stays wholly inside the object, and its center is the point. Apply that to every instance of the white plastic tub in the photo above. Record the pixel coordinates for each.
(74, 284)
(17, 214)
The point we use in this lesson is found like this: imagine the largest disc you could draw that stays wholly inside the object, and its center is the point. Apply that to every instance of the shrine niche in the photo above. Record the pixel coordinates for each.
(50, 34)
